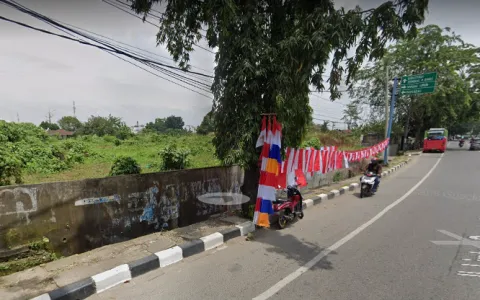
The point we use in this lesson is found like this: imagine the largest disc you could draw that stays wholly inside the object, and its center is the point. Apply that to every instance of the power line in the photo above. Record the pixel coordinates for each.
(108, 47)
(138, 17)
(125, 44)
(109, 51)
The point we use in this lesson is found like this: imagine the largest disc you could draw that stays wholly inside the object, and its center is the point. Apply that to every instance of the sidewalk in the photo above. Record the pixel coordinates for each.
(47, 277)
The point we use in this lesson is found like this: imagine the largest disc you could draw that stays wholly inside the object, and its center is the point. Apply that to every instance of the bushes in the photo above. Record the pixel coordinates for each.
(124, 165)
(174, 158)
(25, 147)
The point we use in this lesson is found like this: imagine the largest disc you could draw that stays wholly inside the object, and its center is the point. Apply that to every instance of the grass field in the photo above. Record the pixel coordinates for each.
(143, 148)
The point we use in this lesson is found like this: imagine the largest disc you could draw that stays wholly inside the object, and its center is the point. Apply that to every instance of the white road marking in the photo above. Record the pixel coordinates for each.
(469, 275)
(467, 259)
(465, 272)
(474, 252)
(470, 265)
(282, 283)
(474, 237)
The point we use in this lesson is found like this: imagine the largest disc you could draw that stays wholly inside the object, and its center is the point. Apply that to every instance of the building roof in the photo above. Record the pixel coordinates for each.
(61, 132)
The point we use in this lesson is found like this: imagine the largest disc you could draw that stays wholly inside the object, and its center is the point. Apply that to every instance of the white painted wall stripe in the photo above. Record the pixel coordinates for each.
(111, 278)
(169, 256)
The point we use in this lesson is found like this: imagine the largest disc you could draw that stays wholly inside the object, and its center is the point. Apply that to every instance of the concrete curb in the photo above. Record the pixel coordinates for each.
(123, 273)
(103, 281)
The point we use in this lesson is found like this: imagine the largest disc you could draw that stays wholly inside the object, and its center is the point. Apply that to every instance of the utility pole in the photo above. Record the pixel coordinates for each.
(18, 118)
(390, 121)
(387, 79)
(387, 99)
(74, 109)
(49, 116)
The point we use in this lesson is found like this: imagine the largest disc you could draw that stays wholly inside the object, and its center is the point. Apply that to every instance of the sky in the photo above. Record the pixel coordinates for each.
(41, 74)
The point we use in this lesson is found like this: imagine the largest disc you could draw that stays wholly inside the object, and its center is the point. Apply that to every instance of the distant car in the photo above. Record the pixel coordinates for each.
(475, 144)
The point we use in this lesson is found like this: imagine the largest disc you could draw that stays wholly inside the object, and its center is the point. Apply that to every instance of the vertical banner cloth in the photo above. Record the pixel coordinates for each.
(271, 164)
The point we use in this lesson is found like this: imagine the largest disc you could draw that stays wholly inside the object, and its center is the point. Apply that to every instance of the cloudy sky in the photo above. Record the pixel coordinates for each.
(41, 73)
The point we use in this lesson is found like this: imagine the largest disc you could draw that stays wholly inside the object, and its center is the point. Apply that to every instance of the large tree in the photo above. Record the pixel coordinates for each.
(434, 50)
(174, 122)
(69, 123)
(47, 125)
(269, 54)
(102, 126)
(207, 124)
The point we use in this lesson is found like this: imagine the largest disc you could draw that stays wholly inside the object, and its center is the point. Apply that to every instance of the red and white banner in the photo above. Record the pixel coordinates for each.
(300, 164)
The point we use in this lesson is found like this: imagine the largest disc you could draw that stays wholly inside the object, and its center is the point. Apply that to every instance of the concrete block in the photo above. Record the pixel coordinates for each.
(170, 256)
(384, 173)
(230, 233)
(355, 185)
(213, 240)
(192, 248)
(42, 297)
(111, 278)
(246, 227)
(343, 189)
(78, 290)
(308, 202)
(323, 197)
(335, 192)
(144, 265)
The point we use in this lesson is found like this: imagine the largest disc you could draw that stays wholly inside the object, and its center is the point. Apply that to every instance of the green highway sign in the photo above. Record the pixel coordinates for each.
(418, 84)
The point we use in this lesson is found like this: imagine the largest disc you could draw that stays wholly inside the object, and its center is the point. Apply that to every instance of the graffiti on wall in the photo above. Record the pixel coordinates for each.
(18, 200)
(156, 207)
(198, 188)
(98, 200)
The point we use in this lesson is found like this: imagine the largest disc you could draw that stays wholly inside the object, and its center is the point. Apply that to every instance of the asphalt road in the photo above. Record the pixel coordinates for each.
(415, 239)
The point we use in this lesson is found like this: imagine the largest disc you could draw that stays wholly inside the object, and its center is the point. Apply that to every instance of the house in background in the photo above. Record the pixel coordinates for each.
(137, 128)
(61, 133)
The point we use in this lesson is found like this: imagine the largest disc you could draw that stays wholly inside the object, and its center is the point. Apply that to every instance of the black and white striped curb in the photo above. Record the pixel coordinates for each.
(123, 273)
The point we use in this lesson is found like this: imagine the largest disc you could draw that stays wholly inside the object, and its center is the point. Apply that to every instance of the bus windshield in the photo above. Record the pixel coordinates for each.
(435, 135)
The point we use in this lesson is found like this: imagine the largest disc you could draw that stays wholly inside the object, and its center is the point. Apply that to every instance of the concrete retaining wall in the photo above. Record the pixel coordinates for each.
(78, 216)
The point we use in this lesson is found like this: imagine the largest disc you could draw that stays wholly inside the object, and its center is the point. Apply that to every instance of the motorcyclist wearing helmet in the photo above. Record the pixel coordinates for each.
(376, 168)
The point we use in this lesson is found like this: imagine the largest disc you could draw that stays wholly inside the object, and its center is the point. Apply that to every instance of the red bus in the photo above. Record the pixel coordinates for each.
(435, 140)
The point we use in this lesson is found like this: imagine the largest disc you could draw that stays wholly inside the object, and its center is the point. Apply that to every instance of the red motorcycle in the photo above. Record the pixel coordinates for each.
(287, 210)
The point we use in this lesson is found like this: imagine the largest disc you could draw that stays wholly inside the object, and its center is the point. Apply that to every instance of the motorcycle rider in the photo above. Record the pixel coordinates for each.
(375, 167)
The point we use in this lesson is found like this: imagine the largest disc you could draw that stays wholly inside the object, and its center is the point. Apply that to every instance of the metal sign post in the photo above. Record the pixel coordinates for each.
(390, 119)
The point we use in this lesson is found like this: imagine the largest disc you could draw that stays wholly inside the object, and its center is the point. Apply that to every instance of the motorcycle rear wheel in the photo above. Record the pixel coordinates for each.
(282, 222)
(300, 215)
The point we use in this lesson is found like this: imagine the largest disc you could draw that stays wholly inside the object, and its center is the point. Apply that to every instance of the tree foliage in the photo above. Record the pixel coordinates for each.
(270, 52)
(69, 123)
(124, 165)
(174, 158)
(434, 50)
(163, 125)
(49, 126)
(174, 122)
(25, 147)
(351, 115)
(102, 126)
(207, 126)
